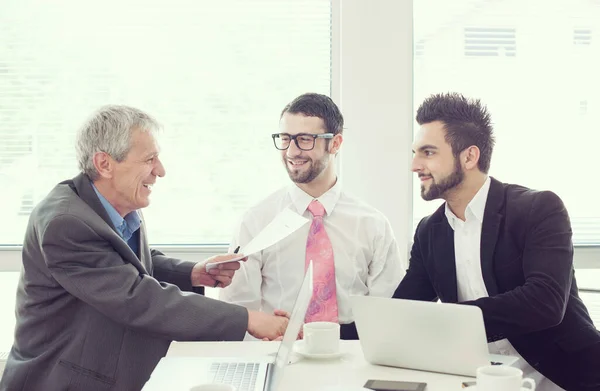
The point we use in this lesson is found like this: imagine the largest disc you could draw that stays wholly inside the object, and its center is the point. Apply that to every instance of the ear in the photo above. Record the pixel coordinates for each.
(470, 157)
(335, 143)
(104, 164)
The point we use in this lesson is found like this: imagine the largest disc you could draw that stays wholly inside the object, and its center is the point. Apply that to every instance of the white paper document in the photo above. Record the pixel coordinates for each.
(284, 224)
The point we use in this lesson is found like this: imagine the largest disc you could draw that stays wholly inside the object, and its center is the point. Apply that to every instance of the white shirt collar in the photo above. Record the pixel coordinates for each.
(301, 200)
(475, 208)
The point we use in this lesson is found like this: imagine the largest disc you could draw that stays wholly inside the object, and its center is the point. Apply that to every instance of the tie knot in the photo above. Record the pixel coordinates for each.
(316, 208)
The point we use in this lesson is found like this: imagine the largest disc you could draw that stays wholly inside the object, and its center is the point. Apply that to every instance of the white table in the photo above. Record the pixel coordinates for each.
(349, 372)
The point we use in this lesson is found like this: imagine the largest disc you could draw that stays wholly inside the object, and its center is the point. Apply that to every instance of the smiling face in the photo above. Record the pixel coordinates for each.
(306, 166)
(127, 184)
(438, 169)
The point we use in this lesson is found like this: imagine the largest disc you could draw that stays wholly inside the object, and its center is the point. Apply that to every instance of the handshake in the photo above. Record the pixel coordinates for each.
(268, 327)
(219, 271)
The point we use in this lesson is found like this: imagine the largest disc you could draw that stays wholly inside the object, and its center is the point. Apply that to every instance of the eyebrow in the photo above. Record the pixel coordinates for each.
(424, 147)
(153, 154)
(294, 134)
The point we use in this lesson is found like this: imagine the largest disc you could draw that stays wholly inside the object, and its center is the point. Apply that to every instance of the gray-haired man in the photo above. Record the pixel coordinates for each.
(96, 307)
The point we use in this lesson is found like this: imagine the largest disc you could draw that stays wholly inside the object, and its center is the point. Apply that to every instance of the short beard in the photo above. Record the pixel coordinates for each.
(439, 190)
(317, 167)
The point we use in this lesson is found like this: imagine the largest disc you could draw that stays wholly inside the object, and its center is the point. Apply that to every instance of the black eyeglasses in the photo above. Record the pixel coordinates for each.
(304, 141)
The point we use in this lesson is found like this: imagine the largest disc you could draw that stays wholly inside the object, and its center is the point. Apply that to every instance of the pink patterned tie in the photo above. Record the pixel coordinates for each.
(323, 305)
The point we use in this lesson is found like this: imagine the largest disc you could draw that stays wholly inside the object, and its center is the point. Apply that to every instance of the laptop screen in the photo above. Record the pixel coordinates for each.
(291, 333)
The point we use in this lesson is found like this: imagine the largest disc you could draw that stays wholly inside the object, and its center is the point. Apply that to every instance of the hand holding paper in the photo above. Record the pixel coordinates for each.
(284, 224)
(203, 276)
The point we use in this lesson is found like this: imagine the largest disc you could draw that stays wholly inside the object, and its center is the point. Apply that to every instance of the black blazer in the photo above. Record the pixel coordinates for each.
(527, 267)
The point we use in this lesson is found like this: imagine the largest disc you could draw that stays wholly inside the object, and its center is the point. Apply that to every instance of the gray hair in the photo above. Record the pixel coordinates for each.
(109, 130)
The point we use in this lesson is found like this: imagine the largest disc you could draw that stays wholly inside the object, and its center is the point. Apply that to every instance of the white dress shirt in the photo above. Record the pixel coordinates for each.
(366, 255)
(469, 277)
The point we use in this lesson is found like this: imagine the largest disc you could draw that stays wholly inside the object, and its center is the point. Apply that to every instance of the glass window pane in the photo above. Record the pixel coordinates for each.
(535, 64)
(216, 74)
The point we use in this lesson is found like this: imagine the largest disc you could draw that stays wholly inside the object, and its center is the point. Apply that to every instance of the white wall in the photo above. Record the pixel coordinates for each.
(375, 95)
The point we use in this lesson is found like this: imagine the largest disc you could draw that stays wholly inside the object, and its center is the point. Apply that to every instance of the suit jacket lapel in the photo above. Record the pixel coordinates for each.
(443, 255)
(86, 192)
(145, 255)
(84, 189)
(492, 219)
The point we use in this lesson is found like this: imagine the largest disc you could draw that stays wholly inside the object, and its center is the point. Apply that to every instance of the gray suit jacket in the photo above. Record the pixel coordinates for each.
(91, 315)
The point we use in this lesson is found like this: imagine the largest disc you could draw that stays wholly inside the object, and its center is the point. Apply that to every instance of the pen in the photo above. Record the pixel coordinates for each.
(235, 252)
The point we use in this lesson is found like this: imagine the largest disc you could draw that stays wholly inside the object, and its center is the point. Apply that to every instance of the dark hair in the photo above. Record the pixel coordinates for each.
(466, 121)
(320, 106)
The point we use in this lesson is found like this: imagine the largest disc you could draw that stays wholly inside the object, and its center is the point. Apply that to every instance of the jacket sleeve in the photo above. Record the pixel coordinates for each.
(547, 264)
(89, 268)
(416, 284)
(174, 271)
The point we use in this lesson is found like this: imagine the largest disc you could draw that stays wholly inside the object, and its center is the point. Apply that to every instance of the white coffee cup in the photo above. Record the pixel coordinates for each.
(502, 378)
(321, 337)
(213, 387)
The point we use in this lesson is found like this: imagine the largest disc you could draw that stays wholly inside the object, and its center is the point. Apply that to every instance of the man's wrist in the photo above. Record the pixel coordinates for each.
(196, 274)
(250, 316)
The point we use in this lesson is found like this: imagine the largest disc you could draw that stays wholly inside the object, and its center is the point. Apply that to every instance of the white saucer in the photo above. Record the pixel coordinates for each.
(300, 348)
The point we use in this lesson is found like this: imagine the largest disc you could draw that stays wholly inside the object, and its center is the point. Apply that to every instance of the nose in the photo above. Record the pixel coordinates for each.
(416, 165)
(159, 169)
(293, 149)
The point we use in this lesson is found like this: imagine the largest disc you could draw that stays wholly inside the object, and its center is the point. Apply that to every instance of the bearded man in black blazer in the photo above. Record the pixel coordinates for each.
(504, 248)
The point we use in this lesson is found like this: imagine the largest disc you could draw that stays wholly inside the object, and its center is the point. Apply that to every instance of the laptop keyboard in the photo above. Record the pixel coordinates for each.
(240, 375)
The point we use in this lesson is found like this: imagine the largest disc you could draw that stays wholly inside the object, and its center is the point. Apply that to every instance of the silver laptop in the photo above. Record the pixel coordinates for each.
(251, 374)
(436, 337)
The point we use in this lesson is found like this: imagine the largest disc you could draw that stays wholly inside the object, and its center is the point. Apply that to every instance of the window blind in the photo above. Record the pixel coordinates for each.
(216, 74)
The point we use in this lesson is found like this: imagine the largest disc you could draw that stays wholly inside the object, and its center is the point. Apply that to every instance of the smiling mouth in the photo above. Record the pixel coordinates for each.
(148, 186)
(297, 163)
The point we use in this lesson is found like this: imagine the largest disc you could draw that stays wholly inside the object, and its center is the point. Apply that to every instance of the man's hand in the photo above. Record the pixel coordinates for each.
(279, 313)
(267, 327)
(221, 275)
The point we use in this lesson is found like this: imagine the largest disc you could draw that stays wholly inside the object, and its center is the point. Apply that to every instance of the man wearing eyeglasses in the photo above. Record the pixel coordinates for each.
(351, 244)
